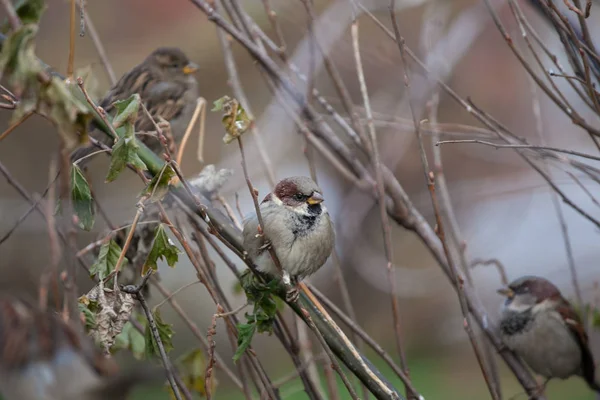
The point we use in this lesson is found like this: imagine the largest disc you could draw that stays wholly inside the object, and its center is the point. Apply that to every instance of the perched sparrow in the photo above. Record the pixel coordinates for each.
(44, 358)
(168, 89)
(542, 327)
(296, 224)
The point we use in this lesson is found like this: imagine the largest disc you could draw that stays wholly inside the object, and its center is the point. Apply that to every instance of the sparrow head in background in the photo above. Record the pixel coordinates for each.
(168, 88)
(539, 325)
(44, 358)
(296, 224)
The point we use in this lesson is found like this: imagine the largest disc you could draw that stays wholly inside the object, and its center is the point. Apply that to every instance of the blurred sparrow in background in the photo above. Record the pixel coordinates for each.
(44, 358)
(297, 225)
(542, 327)
(166, 84)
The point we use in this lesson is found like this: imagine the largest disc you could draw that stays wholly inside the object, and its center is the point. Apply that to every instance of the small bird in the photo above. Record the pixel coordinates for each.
(44, 358)
(166, 84)
(539, 325)
(296, 225)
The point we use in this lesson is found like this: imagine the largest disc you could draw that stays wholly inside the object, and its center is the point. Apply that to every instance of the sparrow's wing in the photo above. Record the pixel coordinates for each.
(588, 367)
(163, 99)
(252, 242)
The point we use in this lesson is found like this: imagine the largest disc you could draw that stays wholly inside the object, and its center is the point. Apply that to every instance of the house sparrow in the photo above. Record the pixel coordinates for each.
(539, 325)
(296, 224)
(44, 358)
(168, 89)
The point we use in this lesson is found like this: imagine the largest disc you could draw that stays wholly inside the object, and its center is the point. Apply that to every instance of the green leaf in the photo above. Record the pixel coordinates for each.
(159, 185)
(90, 316)
(127, 111)
(131, 339)
(235, 119)
(165, 332)
(107, 259)
(124, 152)
(191, 367)
(81, 196)
(162, 247)
(28, 11)
(245, 334)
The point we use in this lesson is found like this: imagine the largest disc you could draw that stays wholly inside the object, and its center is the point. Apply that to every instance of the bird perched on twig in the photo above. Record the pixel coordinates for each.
(296, 225)
(166, 84)
(44, 358)
(542, 327)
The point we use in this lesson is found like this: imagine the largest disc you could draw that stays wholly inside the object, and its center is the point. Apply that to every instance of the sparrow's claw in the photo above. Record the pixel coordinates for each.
(265, 246)
(292, 295)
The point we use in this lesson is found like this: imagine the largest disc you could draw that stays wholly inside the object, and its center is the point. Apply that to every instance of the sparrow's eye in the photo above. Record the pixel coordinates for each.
(299, 197)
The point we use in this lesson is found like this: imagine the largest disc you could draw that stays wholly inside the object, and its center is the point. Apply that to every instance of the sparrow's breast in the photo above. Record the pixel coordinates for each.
(544, 343)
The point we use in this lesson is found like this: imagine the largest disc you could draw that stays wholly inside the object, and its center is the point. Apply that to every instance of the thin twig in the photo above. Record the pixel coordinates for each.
(28, 212)
(495, 262)
(537, 112)
(195, 330)
(137, 292)
(385, 224)
(521, 146)
(13, 18)
(71, 60)
(50, 274)
(238, 91)
(11, 128)
(429, 177)
(91, 28)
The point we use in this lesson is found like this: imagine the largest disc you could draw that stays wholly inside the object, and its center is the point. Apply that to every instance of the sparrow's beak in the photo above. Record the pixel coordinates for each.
(190, 68)
(315, 198)
(506, 292)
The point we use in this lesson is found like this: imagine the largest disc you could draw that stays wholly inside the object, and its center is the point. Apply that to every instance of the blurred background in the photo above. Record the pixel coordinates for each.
(503, 207)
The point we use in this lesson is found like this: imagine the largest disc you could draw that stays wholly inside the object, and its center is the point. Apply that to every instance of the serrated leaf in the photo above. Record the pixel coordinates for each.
(127, 111)
(245, 334)
(107, 259)
(158, 187)
(235, 119)
(165, 332)
(83, 204)
(131, 339)
(124, 152)
(162, 247)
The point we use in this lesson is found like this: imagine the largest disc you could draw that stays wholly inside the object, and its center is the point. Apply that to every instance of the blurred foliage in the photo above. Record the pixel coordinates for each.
(589, 310)
(191, 367)
(131, 339)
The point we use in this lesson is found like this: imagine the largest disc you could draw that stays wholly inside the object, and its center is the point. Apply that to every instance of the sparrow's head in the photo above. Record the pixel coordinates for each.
(299, 193)
(172, 64)
(529, 293)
